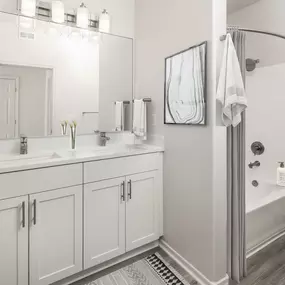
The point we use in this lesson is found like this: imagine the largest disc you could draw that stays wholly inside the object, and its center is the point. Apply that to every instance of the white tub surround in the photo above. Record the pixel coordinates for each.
(68, 213)
(265, 219)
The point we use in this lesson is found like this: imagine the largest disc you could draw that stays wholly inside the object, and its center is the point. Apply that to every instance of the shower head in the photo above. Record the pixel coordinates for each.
(251, 64)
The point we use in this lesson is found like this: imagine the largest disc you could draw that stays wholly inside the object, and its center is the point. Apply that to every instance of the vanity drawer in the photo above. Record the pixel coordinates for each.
(117, 167)
(38, 180)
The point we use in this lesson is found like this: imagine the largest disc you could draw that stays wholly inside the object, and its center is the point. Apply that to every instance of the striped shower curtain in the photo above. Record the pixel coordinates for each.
(236, 182)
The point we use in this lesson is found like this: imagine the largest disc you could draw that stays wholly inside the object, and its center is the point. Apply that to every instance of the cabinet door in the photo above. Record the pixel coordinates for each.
(104, 221)
(141, 210)
(14, 241)
(55, 235)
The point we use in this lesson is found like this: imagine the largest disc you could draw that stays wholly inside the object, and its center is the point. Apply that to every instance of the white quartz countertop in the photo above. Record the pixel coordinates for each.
(11, 163)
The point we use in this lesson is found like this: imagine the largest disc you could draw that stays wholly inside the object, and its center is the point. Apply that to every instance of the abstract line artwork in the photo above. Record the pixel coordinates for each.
(185, 87)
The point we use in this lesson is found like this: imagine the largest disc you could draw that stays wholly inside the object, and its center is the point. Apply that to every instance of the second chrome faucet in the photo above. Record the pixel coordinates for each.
(23, 144)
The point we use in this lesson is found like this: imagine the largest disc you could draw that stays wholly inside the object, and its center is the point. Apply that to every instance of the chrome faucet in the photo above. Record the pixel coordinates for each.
(103, 138)
(254, 164)
(23, 145)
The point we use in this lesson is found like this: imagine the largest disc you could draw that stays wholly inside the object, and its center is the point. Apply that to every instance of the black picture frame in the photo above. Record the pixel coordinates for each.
(204, 122)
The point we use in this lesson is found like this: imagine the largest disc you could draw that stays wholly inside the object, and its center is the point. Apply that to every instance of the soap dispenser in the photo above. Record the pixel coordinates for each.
(281, 174)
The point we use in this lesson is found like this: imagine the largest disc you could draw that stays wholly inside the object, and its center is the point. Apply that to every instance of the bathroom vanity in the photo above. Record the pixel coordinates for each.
(66, 212)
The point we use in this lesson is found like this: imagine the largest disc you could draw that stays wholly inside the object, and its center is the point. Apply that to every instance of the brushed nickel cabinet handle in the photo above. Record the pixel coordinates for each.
(123, 191)
(130, 189)
(23, 214)
(35, 211)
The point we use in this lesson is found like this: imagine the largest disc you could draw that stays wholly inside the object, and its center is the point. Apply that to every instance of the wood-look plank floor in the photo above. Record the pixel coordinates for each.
(267, 267)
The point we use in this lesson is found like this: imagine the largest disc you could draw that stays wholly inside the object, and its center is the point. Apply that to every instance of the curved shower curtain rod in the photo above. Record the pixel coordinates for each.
(223, 37)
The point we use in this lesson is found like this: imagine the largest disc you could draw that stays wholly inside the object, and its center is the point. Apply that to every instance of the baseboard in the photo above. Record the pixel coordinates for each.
(194, 272)
(83, 274)
(265, 243)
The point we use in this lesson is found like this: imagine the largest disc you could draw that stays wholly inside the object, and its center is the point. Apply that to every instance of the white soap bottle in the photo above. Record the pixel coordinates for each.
(281, 174)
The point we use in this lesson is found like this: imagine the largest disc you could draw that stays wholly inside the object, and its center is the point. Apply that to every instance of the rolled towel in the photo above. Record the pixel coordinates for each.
(119, 116)
(140, 119)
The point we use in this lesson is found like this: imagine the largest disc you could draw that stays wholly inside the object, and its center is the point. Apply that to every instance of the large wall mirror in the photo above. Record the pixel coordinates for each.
(52, 73)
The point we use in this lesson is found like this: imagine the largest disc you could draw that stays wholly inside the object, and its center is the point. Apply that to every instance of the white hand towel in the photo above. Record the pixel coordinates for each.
(231, 91)
(140, 120)
(119, 116)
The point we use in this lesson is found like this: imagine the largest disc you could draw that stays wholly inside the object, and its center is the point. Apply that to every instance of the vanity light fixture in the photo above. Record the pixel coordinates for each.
(28, 8)
(104, 22)
(82, 17)
(57, 11)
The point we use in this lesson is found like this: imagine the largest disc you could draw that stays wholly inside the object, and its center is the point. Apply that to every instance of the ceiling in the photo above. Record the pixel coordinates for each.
(234, 5)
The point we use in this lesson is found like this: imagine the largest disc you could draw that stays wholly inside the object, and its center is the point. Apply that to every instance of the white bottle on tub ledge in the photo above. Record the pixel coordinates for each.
(281, 174)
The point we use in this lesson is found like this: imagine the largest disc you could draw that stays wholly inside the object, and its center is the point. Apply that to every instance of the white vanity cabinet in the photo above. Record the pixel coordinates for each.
(58, 221)
(41, 229)
(124, 213)
(142, 209)
(14, 236)
(104, 221)
(55, 235)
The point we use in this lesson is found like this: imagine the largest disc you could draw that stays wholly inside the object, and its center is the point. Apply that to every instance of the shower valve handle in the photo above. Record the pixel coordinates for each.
(254, 164)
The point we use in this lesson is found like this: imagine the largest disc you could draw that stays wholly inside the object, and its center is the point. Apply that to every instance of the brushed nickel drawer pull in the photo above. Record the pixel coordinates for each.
(35, 211)
(130, 189)
(123, 191)
(23, 214)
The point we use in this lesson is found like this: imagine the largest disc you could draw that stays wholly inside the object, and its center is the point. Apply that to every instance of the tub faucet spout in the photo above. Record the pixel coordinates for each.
(254, 164)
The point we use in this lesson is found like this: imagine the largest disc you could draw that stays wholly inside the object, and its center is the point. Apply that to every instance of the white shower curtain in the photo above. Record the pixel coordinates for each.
(236, 183)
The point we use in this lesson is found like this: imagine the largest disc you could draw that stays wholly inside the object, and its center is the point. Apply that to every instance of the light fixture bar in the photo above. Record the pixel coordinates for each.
(45, 12)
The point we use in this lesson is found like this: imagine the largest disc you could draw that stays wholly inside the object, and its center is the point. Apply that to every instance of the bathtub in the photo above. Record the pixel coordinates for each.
(265, 204)
(265, 217)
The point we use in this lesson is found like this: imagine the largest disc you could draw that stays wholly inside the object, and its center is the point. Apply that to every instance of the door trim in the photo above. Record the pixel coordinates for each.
(16, 107)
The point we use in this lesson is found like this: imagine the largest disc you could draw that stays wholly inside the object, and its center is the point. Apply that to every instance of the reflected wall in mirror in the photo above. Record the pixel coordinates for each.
(116, 82)
(88, 72)
(25, 101)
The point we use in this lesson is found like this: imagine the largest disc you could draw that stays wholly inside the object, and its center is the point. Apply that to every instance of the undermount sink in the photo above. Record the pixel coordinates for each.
(27, 158)
(104, 151)
(125, 148)
(113, 150)
(137, 147)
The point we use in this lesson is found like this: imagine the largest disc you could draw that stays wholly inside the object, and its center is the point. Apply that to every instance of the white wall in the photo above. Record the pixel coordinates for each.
(219, 145)
(32, 98)
(265, 123)
(265, 16)
(121, 11)
(194, 195)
